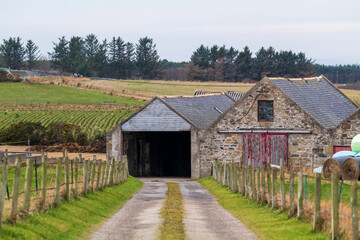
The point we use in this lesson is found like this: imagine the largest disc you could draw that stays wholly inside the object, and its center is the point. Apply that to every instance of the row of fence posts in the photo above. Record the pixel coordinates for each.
(241, 178)
(108, 173)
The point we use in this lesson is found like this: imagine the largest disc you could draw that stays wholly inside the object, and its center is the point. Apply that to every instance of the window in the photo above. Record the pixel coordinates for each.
(265, 111)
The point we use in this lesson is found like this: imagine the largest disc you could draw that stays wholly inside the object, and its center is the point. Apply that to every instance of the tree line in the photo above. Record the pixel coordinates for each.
(231, 65)
(118, 59)
(88, 57)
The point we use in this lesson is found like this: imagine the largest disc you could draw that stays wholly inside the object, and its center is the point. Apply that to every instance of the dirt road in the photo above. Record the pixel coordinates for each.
(204, 218)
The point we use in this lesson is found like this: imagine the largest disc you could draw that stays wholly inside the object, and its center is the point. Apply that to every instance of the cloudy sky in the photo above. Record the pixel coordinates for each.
(328, 31)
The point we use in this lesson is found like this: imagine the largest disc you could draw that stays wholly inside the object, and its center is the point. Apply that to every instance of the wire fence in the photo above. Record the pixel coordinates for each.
(28, 186)
(331, 204)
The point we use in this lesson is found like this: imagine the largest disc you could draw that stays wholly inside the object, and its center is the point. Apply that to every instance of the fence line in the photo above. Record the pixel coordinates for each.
(243, 180)
(66, 179)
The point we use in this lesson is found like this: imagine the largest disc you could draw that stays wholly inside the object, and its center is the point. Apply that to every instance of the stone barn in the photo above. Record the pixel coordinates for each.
(302, 120)
(161, 139)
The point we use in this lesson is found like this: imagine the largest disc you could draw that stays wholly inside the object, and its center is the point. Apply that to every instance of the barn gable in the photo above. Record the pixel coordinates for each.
(156, 117)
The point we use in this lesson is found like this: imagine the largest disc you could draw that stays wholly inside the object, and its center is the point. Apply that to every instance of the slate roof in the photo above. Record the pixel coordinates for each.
(200, 110)
(235, 95)
(319, 98)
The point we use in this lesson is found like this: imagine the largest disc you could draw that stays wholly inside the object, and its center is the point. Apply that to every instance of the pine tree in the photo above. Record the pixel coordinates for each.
(32, 53)
(12, 53)
(129, 60)
(60, 55)
(244, 64)
(92, 46)
(147, 60)
(77, 57)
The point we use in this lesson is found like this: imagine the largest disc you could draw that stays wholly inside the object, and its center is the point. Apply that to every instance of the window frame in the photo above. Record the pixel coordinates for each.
(273, 114)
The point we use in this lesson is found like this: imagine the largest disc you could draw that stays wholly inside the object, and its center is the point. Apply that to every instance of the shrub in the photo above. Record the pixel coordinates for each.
(22, 131)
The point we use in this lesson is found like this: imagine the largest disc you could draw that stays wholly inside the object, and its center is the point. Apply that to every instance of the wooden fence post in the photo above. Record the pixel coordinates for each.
(317, 202)
(28, 183)
(243, 179)
(238, 178)
(249, 181)
(15, 193)
(258, 184)
(262, 183)
(57, 182)
(76, 177)
(107, 173)
(85, 176)
(67, 176)
(253, 185)
(93, 175)
(112, 169)
(282, 185)
(91, 165)
(354, 208)
(231, 177)
(98, 176)
(300, 204)
(4, 178)
(224, 176)
(292, 205)
(119, 172)
(268, 173)
(335, 207)
(103, 174)
(43, 180)
(274, 193)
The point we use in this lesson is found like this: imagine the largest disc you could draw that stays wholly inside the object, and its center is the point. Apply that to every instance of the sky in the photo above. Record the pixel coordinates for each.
(328, 31)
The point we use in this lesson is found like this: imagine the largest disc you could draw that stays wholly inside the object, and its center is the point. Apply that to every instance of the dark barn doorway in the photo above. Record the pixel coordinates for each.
(158, 154)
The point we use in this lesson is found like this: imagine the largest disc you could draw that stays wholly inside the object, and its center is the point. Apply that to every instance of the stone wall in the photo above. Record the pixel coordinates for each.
(304, 150)
(114, 143)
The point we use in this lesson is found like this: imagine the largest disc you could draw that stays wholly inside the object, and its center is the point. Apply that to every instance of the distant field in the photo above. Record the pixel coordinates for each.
(146, 89)
(353, 94)
(33, 93)
(91, 121)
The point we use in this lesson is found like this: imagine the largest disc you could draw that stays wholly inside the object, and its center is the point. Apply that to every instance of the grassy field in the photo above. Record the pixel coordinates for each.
(33, 93)
(75, 219)
(353, 94)
(150, 88)
(267, 224)
(91, 121)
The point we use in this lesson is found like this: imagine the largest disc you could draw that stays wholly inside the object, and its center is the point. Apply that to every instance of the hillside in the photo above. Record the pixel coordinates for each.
(35, 102)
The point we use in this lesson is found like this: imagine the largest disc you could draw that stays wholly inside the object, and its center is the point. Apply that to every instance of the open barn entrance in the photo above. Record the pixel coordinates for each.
(158, 154)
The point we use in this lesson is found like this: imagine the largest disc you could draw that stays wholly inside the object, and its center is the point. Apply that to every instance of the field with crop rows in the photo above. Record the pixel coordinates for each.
(91, 121)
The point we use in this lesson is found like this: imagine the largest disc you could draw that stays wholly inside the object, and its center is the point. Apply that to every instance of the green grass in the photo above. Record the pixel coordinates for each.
(91, 121)
(172, 214)
(33, 93)
(74, 219)
(266, 224)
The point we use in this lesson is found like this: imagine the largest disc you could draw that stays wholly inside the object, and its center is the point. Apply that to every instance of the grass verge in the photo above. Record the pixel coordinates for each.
(74, 219)
(172, 214)
(265, 223)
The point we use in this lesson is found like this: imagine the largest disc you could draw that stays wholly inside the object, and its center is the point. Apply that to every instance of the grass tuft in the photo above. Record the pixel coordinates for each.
(172, 215)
